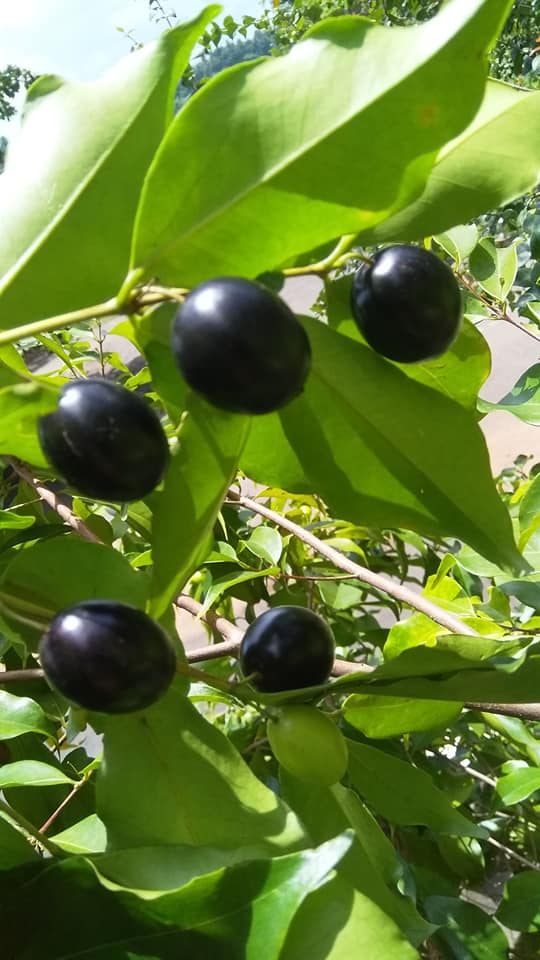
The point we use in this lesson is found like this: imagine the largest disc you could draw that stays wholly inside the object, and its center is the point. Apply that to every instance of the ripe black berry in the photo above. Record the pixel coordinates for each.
(105, 441)
(407, 304)
(107, 656)
(287, 648)
(240, 346)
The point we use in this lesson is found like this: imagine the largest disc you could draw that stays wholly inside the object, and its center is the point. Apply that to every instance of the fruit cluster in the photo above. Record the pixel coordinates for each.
(240, 347)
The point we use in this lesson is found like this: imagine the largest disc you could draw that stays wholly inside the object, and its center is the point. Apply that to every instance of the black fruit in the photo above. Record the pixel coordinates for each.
(107, 656)
(287, 648)
(240, 346)
(105, 441)
(407, 304)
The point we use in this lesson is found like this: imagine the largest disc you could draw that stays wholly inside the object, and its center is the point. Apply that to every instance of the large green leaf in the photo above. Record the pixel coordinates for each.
(371, 865)
(72, 181)
(196, 482)
(405, 794)
(20, 715)
(523, 400)
(382, 450)
(52, 574)
(240, 912)
(337, 922)
(520, 906)
(494, 160)
(293, 141)
(14, 847)
(459, 373)
(203, 791)
(466, 929)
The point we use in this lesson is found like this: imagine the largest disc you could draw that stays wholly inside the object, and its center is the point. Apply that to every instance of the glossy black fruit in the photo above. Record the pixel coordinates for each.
(287, 648)
(107, 656)
(240, 346)
(105, 441)
(407, 304)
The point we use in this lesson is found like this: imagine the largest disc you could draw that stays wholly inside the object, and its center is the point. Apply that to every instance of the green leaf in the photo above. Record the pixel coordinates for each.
(243, 911)
(466, 929)
(459, 242)
(372, 865)
(518, 786)
(152, 335)
(86, 836)
(520, 906)
(494, 267)
(220, 585)
(404, 794)
(21, 406)
(195, 772)
(494, 160)
(336, 922)
(31, 773)
(52, 574)
(15, 521)
(266, 543)
(523, 400)
(293, 139)
(382, 450)
(458, 374)
(379, 717)
(20, 715)
(14, 847)
(196, 482)
(76, 206)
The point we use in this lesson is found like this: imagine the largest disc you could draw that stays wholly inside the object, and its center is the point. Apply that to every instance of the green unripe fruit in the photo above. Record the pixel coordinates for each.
(308, 744)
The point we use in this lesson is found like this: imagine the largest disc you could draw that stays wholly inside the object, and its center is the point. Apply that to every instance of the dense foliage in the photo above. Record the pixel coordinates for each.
(391, 809)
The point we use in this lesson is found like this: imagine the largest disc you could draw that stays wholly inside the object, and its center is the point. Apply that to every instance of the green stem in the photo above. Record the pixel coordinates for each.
(37, 327)
(329, 262)
(30, 829)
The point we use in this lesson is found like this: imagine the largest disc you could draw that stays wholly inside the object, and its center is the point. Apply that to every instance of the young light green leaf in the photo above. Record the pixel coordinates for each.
(85, 837)
(31, 773)
(459, 242)
(196, 482)
(494, 267)
(518, 786)
(19, 715)
(494, 160)
(266, 543)
(379, 717)
(383, 450)
(77, 205)
(313, 110)
(21, 406)
(405, 794)
(15, 521)
(194, 771)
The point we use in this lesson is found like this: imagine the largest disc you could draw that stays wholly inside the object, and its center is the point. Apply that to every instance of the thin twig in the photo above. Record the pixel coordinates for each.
(30, 829)
(512, 854)
(63, 805)
(53, 501)
(12, 676)
(525, 711)
(377, 580)
(227, 629)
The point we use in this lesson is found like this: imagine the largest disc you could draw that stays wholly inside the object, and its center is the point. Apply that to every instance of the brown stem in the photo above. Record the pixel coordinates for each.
(377, 580)
(10, 676)
(63, 805)
(512, 854)
(53, 501)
